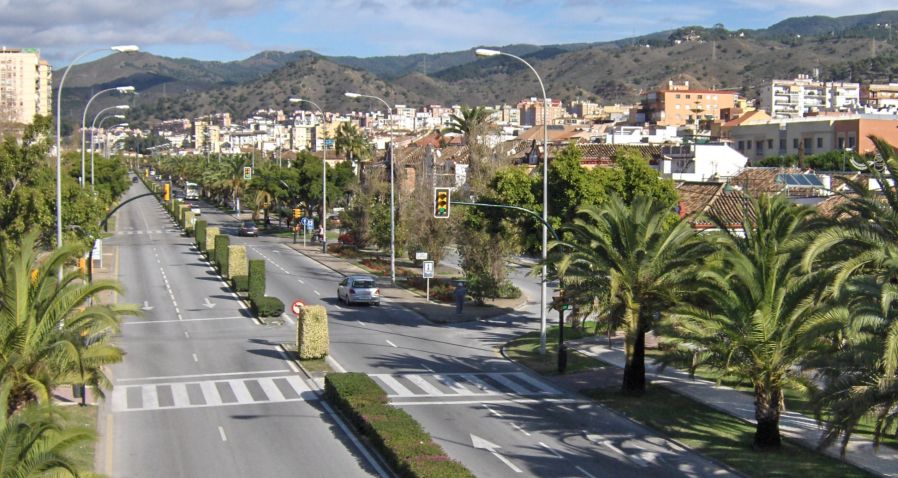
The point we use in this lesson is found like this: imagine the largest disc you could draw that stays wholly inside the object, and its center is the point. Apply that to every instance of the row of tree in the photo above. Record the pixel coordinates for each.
(792, 300)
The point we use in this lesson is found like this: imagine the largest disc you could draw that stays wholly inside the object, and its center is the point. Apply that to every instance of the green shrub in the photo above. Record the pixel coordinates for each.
(240, 283)
(221, 253)
(200, 233)
(408, 449)
(237, 264)
(507, 290)
(312, 339)
(256, 278)
(267, 306)
(209, 243)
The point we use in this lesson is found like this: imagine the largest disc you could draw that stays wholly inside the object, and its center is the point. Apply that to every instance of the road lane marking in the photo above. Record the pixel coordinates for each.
(330, 360)
(547, 447)
(493, 412)
(186, 334)
(397, 387)
(149, 397)
(518, 428)
(142, 322)
(283, 353)
(361, 323)
(222, 433)
(271, 390)
(392, 344)
(200, 375)
(316, 292)
(588, 474)
(195, 358)
(109, 443)
(355, 441)
(424, 385)
(300, 281)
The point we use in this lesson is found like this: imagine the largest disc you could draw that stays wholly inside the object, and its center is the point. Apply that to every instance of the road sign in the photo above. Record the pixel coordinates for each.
(441, 202)
(420, 256)
(428, 269)
(310, 224)
(297, 306)
(247, 173)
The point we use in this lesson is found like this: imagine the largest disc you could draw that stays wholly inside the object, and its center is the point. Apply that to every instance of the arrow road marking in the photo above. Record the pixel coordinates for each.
(600, 440)
(208, 303)
(491, 447)
(146, 306)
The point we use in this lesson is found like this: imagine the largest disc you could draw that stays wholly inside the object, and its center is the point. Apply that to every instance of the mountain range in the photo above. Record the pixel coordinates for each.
(857, 48)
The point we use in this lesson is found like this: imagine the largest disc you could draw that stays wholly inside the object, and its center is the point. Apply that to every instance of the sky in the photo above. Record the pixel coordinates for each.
(227, 30)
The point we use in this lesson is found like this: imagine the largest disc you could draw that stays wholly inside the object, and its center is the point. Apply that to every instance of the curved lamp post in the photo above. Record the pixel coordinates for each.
(392, 200)
(483, 52)
(120, 48)
(323, 174)
(106, 144)
(93, 127)
(121, 89)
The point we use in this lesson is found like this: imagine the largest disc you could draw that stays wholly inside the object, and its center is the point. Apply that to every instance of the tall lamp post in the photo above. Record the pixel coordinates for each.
(93, 128)
(120, 48)
(323, 174)
(121, 89)
(106, 145)
(483, 52)
(392, 195)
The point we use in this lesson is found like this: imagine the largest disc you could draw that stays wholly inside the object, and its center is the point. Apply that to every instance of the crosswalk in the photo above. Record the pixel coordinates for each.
(149, 231)
(462, 385)
(210, 393)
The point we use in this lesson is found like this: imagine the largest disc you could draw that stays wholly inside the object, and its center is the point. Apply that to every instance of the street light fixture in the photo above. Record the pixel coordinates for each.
(486, 53)
(392, 195)
(106, 144)
(121, 89)
(93, 127)
(323, 174)
(118, 48)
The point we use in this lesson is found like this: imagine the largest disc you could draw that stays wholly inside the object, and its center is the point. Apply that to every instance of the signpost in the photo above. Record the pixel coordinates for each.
(297, 307)
(420, 256)
(428, 274)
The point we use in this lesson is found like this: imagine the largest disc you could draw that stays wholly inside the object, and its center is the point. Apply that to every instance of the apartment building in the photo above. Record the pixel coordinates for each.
(796, 98)
(532, 111)
(678, 105)
(880, 96)
(25, 85)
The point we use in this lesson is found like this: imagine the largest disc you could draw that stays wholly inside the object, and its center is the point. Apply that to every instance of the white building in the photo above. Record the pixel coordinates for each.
(796, 98)
(640, 135)
(701, 162)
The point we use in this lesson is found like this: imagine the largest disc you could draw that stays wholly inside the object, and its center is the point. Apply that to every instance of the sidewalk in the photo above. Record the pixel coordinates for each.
(432, 311)
(803, 429)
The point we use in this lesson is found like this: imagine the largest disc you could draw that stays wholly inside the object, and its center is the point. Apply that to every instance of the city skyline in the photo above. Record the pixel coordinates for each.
(236, 29)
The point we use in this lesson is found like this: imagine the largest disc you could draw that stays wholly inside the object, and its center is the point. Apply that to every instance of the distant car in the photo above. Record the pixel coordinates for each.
(179, 195)
(355, 289)
(248, 228)
(194, 208)
(134, 179)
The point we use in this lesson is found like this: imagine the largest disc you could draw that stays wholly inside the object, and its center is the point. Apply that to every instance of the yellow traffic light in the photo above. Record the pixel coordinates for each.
(441, 202)
(297, 213)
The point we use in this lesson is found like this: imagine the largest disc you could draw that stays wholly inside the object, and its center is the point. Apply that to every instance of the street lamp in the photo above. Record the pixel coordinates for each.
(106, 144)
(483, 52)
(392, 199)
(119, 48)
(121, 89)
(323, 174)
(93, 127)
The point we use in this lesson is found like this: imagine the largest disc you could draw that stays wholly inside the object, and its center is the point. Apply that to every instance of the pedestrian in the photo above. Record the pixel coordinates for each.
(460, 292)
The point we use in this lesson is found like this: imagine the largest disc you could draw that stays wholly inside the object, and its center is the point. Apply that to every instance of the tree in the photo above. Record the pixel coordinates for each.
(48, 335)
(351, 142)
(756, 314)
(470, 122)
(34, 444)
(645, 264)
(860, 370)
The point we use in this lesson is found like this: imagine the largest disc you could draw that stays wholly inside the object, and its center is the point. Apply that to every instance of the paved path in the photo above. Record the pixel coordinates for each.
(803, 429)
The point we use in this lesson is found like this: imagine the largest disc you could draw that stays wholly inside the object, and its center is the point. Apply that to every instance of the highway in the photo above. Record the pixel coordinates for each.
(489, 413)
(203, 390)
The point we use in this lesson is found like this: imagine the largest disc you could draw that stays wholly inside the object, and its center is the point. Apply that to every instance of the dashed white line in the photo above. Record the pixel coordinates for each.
(547, 447)
(222, 433)
(316, 292)
(361, 323)
(391, 343)
(516, 427)
(492, 412)
(300, 281)
(186, 334)
(195, 358)
(588, 474)
(283, 353)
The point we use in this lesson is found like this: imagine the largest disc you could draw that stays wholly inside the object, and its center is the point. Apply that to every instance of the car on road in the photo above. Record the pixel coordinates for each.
(248, 228)
(134, 179)
(194, 208)
(361, 288)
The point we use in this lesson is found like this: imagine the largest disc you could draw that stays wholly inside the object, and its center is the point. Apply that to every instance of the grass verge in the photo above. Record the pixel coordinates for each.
(720, 436)
(525, 350)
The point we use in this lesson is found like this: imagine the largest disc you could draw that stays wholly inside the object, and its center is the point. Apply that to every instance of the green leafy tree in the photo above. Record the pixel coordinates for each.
(352, 142)
(49, 335)
(470, 122)
(645, 264)
(756, 314)
(34, 444)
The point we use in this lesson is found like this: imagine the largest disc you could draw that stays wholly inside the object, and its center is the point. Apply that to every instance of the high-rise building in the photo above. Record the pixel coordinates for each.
(25, 85)
(796, 98)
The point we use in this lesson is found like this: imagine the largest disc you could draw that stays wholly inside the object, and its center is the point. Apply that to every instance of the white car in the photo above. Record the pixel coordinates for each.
(353, 289)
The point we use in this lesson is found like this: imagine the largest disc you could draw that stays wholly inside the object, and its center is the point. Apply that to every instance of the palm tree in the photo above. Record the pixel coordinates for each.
(48, 335)
(352, 142)
(471, 122)
(229, 177)
(643, 263)
(33, 444)
(756, 313)
(861, 248)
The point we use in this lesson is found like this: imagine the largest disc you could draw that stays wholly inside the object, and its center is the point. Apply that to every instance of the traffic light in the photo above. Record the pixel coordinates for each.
(166, 192)
(441, 202)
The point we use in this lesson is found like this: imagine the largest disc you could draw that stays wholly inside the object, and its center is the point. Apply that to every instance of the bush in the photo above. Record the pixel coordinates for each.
(267, 306)
(312, 340)
(200, 234)
(221, 253)
(408, 449)
(209, 243)
(507, 290)
(256, 278)
(240, 283)
(237, 265)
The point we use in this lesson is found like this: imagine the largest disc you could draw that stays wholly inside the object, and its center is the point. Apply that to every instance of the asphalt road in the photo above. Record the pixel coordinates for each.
(492, 415)
(203, 390)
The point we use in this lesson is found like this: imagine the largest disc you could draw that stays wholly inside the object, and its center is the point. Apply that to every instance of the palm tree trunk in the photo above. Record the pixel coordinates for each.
(767, 414)
(634, 368)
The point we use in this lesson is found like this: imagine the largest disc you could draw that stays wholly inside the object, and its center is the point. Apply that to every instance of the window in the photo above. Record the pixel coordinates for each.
(748, 145)
(741, 145)
(794, 143)
(819, 143)
(782, 144)
(677, 96)
(841, 142)
(808, 146)
(851, 142)
(760, 146)
(688, 96)
(699, 96)
(769, 144)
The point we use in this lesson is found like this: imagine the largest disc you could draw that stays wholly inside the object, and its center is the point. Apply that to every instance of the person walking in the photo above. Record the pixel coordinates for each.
(460, 292)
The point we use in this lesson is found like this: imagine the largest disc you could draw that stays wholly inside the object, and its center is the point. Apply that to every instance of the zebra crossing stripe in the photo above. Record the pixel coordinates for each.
(149, 397)
(210, 393)
(538, 384)
(240, 391)
(271, 390)
(424, 385)
(179, 395)
(508, 383)
(397, 387)
(471, 378)
(449, 382)
(463, 385)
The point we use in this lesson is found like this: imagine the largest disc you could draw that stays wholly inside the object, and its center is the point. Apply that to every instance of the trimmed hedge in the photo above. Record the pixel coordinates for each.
(267, 306)
(209, 243)
(256, 278)
(407, 448)
(240, 283)
(312, 338)
(189, 222)
(200, 234)
(237, 261)
(221, 253)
